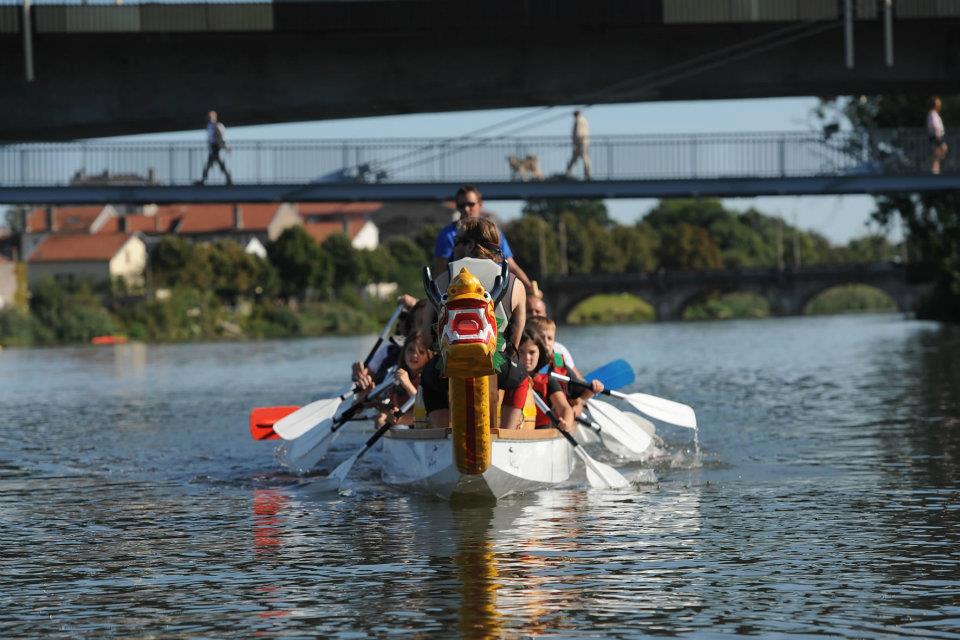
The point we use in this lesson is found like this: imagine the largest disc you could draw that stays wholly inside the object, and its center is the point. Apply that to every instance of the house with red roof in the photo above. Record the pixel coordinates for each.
(67, 257)
(323, 219)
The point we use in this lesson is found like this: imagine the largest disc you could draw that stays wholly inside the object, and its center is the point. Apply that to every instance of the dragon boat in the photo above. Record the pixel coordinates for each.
(473, 457)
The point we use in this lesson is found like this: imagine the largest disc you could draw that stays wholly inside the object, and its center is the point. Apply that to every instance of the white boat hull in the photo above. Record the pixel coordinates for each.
(425, 465)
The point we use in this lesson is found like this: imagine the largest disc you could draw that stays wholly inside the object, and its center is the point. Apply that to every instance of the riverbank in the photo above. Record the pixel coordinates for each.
(188, 314)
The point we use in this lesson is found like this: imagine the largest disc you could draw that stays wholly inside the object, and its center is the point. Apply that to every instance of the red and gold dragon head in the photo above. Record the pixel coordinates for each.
(467, 329)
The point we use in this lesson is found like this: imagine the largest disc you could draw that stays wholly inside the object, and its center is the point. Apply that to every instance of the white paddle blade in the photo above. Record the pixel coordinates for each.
(664, 410)
(302, 420)
(599, 475)
(618, 433)
(305, 452)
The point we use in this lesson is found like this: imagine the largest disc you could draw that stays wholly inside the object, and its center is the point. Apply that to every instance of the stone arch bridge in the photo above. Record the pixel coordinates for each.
(787, 291)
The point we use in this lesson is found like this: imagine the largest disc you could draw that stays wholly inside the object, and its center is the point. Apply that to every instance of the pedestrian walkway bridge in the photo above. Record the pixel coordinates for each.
(636, 166)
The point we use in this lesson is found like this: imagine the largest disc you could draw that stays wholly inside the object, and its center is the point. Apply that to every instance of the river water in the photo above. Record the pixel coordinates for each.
(824, 499)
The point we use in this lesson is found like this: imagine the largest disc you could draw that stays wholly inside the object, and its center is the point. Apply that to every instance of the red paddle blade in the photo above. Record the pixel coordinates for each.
(262, 419)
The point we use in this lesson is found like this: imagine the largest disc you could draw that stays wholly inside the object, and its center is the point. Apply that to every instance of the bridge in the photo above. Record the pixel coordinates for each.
(637, 166)
(788, 291)
(85, 68)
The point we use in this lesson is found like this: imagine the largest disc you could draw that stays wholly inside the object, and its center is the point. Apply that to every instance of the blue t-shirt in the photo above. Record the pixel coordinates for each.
(444, 246)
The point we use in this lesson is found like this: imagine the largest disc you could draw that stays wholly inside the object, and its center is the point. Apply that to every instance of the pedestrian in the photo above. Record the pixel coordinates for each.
(470, 204)
(216, 141)
(936, 132)
(581, 144)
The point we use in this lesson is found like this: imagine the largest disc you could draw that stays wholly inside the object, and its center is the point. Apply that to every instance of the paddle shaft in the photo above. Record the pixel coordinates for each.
(383, 335)
(399, 411)
(358, 406)
(547, 411)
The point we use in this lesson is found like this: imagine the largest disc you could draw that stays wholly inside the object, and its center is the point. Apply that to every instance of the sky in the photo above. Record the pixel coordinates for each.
(839, 218)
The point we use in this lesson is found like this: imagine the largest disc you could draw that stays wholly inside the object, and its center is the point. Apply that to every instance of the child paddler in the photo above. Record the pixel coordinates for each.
(555, 362)
(477, 248)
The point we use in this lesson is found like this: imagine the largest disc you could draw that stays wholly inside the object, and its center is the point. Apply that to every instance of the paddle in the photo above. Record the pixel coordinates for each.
(304, 452)
(263, 418)
(598, 474)
(337, 476)
(617, 431)
(613, 375)
(657, 408)
(299, 422)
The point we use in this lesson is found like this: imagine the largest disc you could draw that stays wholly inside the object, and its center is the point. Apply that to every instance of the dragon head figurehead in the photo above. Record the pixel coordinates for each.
(468, 329)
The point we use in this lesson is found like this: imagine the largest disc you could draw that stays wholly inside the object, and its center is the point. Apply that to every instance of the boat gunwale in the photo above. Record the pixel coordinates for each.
(506, 435)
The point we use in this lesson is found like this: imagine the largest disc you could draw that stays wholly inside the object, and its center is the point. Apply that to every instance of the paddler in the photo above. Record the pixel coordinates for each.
(477, 248)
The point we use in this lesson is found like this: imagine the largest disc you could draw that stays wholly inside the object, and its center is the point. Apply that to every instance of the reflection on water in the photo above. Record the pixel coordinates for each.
(133, 503)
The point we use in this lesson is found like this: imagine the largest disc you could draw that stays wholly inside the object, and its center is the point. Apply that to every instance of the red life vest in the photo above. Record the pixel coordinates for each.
(539, 384)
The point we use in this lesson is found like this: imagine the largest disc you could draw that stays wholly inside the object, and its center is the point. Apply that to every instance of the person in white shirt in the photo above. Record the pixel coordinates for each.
(581, 144)
(216, 140)
(936, 132)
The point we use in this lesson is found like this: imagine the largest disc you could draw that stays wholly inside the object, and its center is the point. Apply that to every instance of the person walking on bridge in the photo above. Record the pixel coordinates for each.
(581, 144)
(216, 141)
(936, 131)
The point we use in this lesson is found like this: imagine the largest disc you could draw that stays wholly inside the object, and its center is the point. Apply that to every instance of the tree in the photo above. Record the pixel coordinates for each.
(300, 263)
(688, 247)
(168, 260)
(583, 210)
(535, 246)
(932, 220)
(410, 259)
(639, 246)
(347, 264)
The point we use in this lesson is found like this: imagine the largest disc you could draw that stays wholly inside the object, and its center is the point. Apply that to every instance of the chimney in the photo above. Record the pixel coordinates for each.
(237, 217)
(51, 220)
(122, 223)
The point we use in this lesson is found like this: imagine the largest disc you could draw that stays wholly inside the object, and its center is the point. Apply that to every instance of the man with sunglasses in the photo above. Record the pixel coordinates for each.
(470, 204)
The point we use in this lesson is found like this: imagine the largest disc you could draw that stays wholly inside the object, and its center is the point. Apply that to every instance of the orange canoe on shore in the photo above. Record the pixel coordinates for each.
(108, 340)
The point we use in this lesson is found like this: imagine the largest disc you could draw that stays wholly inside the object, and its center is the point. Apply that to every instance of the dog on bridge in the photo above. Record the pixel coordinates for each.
(524, 168)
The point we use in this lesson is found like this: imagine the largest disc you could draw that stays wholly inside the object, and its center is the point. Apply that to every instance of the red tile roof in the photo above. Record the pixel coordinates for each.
(320, 231)
(66, 219)
(211, 218)
(154, 223)
(323, 209)
(79, 247)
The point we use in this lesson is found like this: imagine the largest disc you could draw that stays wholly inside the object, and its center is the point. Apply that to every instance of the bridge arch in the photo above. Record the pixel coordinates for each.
(899, 302)
(627, 307)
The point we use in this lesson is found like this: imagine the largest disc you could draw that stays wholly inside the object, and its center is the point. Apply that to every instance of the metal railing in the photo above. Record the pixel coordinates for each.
(646, 157)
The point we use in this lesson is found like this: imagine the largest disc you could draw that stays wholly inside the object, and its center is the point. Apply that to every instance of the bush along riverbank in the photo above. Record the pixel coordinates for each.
(60, 315)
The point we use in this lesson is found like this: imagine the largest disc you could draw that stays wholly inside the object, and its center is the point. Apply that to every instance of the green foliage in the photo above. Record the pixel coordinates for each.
(932, 219)
(535, 245)
(639, 245)
(300, 263)
(727, 307)
(426, 238)
(68, 315)
(16, 327)
(410, 259)
(583, 210)
(853, 298)
(688, 247)
(379, 265)
(169, 259)
(348, 265)
(611, 309)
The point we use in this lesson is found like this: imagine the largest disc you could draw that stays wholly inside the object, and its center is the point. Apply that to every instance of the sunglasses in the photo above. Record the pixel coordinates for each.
(467, 205)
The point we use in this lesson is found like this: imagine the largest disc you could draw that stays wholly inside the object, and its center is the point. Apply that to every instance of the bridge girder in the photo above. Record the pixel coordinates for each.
(395, 58)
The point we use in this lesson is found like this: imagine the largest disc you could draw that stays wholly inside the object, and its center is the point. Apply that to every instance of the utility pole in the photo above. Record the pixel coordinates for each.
(780, 245)
(796, 242)
(27, 41)
(562, 229)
